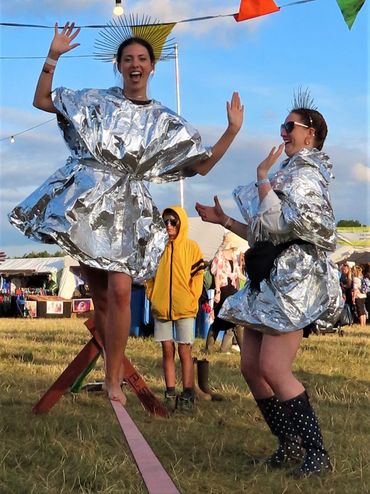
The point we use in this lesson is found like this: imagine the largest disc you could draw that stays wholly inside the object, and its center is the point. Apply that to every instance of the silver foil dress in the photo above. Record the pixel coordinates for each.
(96, 207)
(303, 286)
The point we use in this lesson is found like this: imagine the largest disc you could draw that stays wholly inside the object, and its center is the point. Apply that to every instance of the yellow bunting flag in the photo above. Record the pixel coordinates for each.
(156, 33)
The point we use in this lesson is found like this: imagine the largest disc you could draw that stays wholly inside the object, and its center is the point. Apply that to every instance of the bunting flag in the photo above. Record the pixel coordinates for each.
(350, 9)
(255, 8)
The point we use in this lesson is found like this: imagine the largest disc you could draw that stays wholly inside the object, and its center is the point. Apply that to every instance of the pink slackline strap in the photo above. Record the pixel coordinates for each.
(156, 478)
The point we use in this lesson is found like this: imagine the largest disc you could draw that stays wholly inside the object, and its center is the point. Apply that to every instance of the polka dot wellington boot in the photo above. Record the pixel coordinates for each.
(290, 449)
(307, 427)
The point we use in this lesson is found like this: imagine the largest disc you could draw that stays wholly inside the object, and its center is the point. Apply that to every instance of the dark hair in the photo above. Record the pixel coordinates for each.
(132, 41)
(170, 211)
(314, 119)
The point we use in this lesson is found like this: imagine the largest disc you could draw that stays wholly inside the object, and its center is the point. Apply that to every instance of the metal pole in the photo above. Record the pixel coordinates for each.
(178, 112)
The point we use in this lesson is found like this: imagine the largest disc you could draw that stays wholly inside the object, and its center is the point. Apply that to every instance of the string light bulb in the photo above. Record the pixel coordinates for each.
(118, 9)
(12, 140)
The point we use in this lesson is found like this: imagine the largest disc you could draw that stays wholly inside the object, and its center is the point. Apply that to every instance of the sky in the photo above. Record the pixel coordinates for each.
(264, 59)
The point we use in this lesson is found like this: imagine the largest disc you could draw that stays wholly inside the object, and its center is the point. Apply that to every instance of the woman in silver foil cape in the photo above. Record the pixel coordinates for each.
(96, 207)
(289, 212)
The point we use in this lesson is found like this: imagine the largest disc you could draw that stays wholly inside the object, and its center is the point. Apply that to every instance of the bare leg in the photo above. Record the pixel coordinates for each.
(168, 362)
(187, 367)
(98, 284)
(276, 359)
(211, 338)
(250, 365)
(227, 341)
(238, 333)
(117, 331)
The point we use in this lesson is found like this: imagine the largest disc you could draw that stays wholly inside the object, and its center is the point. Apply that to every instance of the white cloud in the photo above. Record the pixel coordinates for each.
(164, 10)
(27, 163)
(361, 172)
(48, 7)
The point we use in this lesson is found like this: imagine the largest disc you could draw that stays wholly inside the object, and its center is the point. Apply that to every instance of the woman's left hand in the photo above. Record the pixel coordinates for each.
(264, 167)
(235, 112)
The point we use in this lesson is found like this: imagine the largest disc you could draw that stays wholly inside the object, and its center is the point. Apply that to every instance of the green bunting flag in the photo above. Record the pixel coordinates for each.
(350, 9)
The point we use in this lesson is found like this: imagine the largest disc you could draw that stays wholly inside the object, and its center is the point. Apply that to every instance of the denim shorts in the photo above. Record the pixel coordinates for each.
(181, 331)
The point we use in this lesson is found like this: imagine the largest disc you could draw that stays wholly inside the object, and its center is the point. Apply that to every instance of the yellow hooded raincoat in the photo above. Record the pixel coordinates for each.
(174, 292)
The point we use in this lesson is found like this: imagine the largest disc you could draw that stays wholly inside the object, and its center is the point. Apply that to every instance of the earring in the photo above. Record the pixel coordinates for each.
(307, 142)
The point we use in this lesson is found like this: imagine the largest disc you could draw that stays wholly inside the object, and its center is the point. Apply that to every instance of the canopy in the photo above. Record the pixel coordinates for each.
(28, 267)
(60, 267)
(359, 255)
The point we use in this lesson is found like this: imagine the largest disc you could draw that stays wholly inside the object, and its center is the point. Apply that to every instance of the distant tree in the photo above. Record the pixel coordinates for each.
(349, 223)
(43, 253)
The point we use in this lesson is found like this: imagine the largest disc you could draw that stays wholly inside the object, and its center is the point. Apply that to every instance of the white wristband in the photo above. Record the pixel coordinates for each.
(228, 222)
(51, 61)
(262, 181)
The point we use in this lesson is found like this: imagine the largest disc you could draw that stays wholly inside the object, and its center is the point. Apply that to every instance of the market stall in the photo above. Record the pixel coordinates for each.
(42, 287)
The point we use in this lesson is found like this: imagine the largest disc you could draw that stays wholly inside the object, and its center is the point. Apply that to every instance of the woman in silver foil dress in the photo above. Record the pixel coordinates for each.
(288, 213)
(97, 207)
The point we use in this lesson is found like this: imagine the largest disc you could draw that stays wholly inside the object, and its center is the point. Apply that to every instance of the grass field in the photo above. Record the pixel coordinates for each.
(78, 446)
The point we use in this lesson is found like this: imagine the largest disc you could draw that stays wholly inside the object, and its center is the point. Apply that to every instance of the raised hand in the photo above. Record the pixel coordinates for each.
(62, 40)
(235, 112)
(211, 214)
(264, 167)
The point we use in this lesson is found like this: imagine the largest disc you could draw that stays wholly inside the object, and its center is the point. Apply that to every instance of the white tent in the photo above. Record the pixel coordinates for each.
(69, 279)
(209, 237)
(344, 251)
(65, 269)
(27, 267)
(60, 267)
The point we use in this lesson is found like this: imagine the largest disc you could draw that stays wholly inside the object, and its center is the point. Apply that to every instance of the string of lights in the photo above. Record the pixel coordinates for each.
(43, 57)
(12, 137)
(118, 4)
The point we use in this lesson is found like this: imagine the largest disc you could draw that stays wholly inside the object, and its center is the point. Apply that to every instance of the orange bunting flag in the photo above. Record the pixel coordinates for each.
(255, 8)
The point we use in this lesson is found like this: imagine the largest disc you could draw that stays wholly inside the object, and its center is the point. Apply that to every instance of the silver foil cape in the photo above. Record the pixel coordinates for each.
(97, 207)
(303, 286)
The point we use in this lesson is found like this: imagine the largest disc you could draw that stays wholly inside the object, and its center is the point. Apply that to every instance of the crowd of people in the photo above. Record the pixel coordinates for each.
(355, 284)
(228, 274)
(98, 209)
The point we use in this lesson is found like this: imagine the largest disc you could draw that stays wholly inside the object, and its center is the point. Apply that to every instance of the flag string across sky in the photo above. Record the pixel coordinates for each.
(264, 49)
(249, 9)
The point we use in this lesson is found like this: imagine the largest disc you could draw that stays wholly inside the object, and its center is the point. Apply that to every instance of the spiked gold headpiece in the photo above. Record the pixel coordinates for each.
(152, 31)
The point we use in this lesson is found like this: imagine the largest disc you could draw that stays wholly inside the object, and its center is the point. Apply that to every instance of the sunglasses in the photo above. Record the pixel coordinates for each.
(170, 221)
(289, 126)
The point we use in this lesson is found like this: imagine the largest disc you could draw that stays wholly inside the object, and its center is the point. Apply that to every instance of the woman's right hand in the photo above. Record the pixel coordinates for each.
(235, 112)
(211, 214)
(62, 40)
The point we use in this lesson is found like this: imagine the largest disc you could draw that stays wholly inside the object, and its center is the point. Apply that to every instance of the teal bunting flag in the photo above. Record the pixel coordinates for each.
(350, 9)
